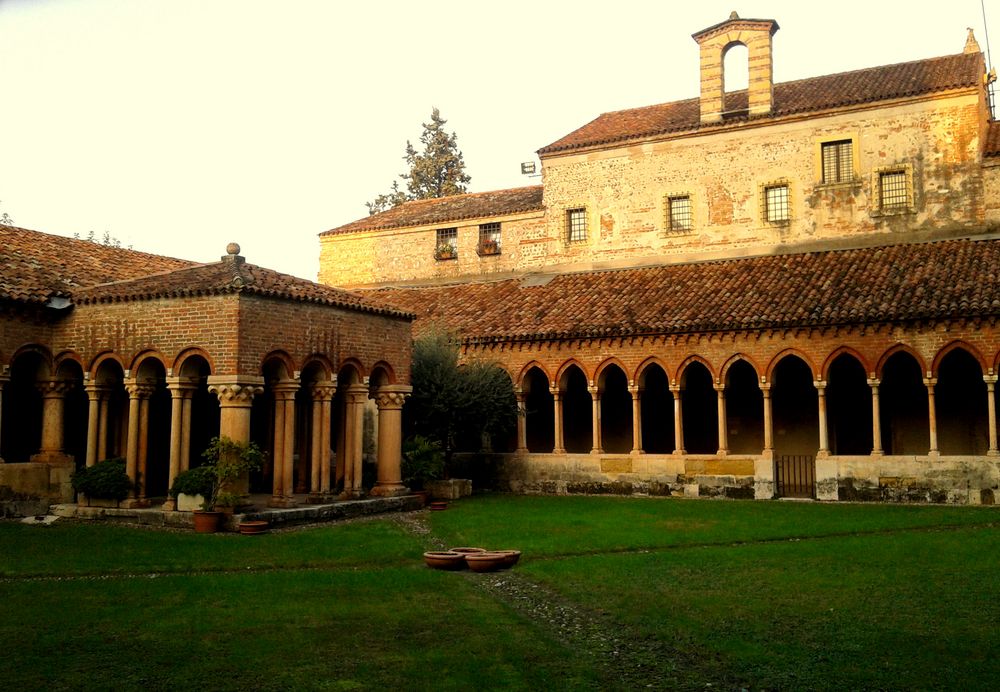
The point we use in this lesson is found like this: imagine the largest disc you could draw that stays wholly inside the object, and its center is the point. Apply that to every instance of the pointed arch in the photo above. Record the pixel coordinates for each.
(824, 372)
(893, 350)
(640, 372)
(566, 366)
(781, 355)
(732, 360)
(687, 362)
(532, 364)
(607, 363)
(958, 344)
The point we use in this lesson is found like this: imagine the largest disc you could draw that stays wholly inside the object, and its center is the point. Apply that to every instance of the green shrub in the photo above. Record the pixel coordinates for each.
(423, 460)
(197, 481)
(105, 480)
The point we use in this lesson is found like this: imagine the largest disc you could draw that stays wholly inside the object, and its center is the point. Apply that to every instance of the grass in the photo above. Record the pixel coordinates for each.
(736, 594)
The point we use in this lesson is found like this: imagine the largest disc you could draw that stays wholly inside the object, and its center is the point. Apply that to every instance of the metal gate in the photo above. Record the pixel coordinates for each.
(795, 475)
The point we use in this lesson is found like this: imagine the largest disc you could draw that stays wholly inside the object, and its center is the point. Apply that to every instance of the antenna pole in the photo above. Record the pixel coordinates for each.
(989, 58)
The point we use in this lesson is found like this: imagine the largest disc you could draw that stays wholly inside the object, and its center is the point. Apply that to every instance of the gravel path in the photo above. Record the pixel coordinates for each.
(625, 660)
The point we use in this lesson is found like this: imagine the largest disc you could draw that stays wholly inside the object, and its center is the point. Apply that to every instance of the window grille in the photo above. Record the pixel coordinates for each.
(892, 190)
(776, 203)
(838, 166)
(679, 213)
(576, 224)
(446, 246)
(489, 239)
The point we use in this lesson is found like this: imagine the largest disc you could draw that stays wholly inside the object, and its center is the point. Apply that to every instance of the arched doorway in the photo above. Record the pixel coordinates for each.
(961, 405)
(616, 410)
(22, 410)
(577, 411)
(656, 411)
(903, 406)
(796, 428)
(539, 414)
(848, 407)
(700, 411)
(744, 409)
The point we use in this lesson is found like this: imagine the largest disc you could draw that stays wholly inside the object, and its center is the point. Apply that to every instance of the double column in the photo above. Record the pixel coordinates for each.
(137, 443)
(354, 420)
(322, 405)
(284, 443)
(181, 394)
(390, 438)
(4, 379)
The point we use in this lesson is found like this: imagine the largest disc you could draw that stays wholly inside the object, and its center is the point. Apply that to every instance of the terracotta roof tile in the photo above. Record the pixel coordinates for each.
(805, 95)
(228, 276)
(446, 209)
(954, 278)
(35, 266)
(992, 146)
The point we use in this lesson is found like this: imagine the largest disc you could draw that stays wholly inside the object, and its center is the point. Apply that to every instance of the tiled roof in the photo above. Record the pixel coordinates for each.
(445, 209)
(35, 266)
(992, 147)
(946, 279)
(805, 95)
(231, 275)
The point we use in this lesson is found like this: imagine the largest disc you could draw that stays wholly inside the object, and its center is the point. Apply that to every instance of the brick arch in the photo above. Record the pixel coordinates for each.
(736, 358)
(519, 382)
(843, 351)
(786, 353)
(382, 368)
(281, 357)
(38, 350)
(693, 358)
(65, 357)
(961, 345)
(572, 362)
(349, 367)
(322, 363)
(890, 352)
(608, 363)
(181, 360)
(640, 372)
(105, 357)
(147, 355)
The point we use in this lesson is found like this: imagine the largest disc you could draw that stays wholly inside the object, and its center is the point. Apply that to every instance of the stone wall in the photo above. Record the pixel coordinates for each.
(370, 258)
(624, 189)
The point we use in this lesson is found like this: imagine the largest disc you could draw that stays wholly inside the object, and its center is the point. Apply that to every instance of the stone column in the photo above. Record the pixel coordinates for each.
(53, 403)
(102, 426)
(235, 395)
(284, 443)
(991, 407)
(143, 446)
(4, 378)
(522, 423)
(876, 418)
(95, 396)
(636, 419)
(390, 439)
(180, 391)
(354, 445)
(720, 399)
(137, 393)
(322, 395)
(929, 382)
(678, 420)
(768, 451)
(186, 405)
(558, 445)
(595, 400)
(824, 436)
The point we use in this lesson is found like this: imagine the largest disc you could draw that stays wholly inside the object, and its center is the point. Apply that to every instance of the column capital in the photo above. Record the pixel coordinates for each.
(323, 390)
(234, 391)
(387, 398)
(593, 389)
(719, 387)
(765, 388)
(634, 389)
(874, 382)
(676, 388)
(139, 390)
(96, 391)
(990, 379)
(820, 385)
(929, 382)
(181, 387)
(54, 389)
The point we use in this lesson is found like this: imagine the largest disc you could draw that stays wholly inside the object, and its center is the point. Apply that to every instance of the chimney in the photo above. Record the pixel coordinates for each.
(715, 42)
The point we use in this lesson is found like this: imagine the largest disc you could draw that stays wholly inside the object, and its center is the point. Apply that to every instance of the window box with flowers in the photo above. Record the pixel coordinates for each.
(445, 251)
(488, 247)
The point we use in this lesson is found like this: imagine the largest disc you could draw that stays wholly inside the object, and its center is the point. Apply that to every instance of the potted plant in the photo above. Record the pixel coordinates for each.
(191, 487)
(423, 461)
(229, 461)
(445, 251)
(489, 247)
(105, 482)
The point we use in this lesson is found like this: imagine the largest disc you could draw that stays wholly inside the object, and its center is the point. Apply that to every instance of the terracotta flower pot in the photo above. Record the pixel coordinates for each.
(444, 559)
(439, 505)
(206, 522)
(467, 551)
(512, 557)
(486, 562)
(253, 528)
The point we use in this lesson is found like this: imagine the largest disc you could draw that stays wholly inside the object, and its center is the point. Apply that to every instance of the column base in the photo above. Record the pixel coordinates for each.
(989, 453)
(519, 452)
(51, 457)
(135, 503)
(351, 495)
(679, 452)
(637, 452)
(390, 490)
(170, 505)
(597, 450)
(316, 498)
(282, 502)
(558, 450)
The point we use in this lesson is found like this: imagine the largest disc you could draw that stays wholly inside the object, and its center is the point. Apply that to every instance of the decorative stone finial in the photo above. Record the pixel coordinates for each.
(971, 45)
(733, 15)
(233, 248)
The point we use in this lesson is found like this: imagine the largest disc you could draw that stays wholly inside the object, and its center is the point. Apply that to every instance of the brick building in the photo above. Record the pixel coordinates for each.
(106, 352)
(787, 290)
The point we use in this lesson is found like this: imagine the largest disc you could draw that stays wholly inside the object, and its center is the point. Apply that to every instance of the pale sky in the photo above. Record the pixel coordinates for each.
(181, 125)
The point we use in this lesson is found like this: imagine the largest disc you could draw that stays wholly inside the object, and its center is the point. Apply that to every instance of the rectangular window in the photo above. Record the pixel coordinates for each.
(447, 244)
(776, 204)
(489, 239)
(892, 191)
(576, 225)
(679, 214)
(838, 166)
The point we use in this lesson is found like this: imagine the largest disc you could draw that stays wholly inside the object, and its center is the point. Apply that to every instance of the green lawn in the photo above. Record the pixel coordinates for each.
(762, 595)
